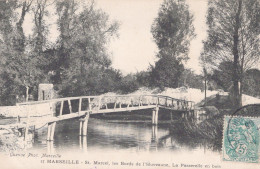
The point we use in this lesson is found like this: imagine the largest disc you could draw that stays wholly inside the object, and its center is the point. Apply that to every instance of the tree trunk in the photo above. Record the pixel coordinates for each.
(205, 85)
(27, 94)
(236, 87)
(19, 27)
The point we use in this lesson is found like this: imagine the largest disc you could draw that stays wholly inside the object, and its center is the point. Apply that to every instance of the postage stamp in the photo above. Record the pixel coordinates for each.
(241, 139)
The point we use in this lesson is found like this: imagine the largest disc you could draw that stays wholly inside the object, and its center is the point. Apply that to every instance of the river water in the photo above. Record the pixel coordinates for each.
(111, 135)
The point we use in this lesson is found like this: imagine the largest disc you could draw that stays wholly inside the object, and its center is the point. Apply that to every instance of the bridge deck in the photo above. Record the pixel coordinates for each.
(48, 111)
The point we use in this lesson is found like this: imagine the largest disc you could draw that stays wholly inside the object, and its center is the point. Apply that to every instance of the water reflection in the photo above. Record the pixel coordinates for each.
(83, 143)
(50, 147)
(154, 139)
(103, 134)
(117, 135)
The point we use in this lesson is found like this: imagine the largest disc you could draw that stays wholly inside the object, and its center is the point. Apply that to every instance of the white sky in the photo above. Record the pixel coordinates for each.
(134, 50)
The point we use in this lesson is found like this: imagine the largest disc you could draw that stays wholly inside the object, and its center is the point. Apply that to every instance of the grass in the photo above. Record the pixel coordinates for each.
(207, 133)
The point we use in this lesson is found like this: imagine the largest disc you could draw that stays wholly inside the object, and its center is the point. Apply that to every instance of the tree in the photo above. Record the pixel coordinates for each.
(77, 64)
(20, 38)
(233, 36)
(15, 60)
(223, 74)
(251, 82)
(40, 28)
(173, 30)
(167, 72)
(144, 78)
(81, 57)
(129, 84)
(190, 79)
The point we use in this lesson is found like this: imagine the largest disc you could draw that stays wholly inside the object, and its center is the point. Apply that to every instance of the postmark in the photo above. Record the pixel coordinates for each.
(241, 139)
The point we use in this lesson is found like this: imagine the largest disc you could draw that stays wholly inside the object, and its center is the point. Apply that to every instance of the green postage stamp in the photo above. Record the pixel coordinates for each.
(241, 139)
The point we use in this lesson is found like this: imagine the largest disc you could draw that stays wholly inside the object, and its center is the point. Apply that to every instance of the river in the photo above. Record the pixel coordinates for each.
(110, 135)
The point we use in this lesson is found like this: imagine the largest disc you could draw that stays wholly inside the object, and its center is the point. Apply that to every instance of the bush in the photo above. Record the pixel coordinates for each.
(167, 72)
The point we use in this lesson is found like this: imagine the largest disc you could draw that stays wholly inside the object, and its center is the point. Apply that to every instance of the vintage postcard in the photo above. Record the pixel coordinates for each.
(129, 84)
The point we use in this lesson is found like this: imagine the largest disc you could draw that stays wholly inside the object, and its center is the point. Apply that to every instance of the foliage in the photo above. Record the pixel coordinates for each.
(251, 82)
(81, 60)
(129, 84)
(190, 79)
(20, 67)
(172, 30)
(78, 64)
(167, 72)
(222, 76)
(144, 78)
(191, 133)
(233, 37)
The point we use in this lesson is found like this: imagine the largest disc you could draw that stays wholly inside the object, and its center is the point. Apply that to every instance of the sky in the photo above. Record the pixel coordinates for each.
(135, 49)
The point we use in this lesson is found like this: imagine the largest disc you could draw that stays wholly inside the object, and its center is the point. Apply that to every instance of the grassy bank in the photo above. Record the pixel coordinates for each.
(207, 133)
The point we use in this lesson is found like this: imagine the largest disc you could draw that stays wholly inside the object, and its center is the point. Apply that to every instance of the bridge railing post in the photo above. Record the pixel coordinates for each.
(80, 103)
(139, 104)
(70, 108)
(89, 104)
(115, 103)
(99, 102)
(61, 107)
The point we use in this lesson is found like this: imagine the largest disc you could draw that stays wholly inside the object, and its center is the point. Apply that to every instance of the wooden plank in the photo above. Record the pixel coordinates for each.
(61, 108)
(89, 104)
(115, 103)
(70, 105)
(123, 109)
(99, 103)
(80, 103)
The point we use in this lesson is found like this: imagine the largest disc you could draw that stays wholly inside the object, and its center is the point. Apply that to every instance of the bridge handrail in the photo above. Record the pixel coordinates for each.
(93, 97)
(55, 107)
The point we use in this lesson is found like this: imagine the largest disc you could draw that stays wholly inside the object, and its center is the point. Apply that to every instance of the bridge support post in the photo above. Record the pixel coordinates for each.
(171, 117)
(83, 126)
(51, 130)
(155, 116)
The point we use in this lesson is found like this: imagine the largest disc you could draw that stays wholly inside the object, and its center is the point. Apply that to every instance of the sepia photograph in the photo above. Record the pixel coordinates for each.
(130, 84)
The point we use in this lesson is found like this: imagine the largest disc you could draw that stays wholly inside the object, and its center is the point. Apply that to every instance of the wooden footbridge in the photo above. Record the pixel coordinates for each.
(49, 112)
